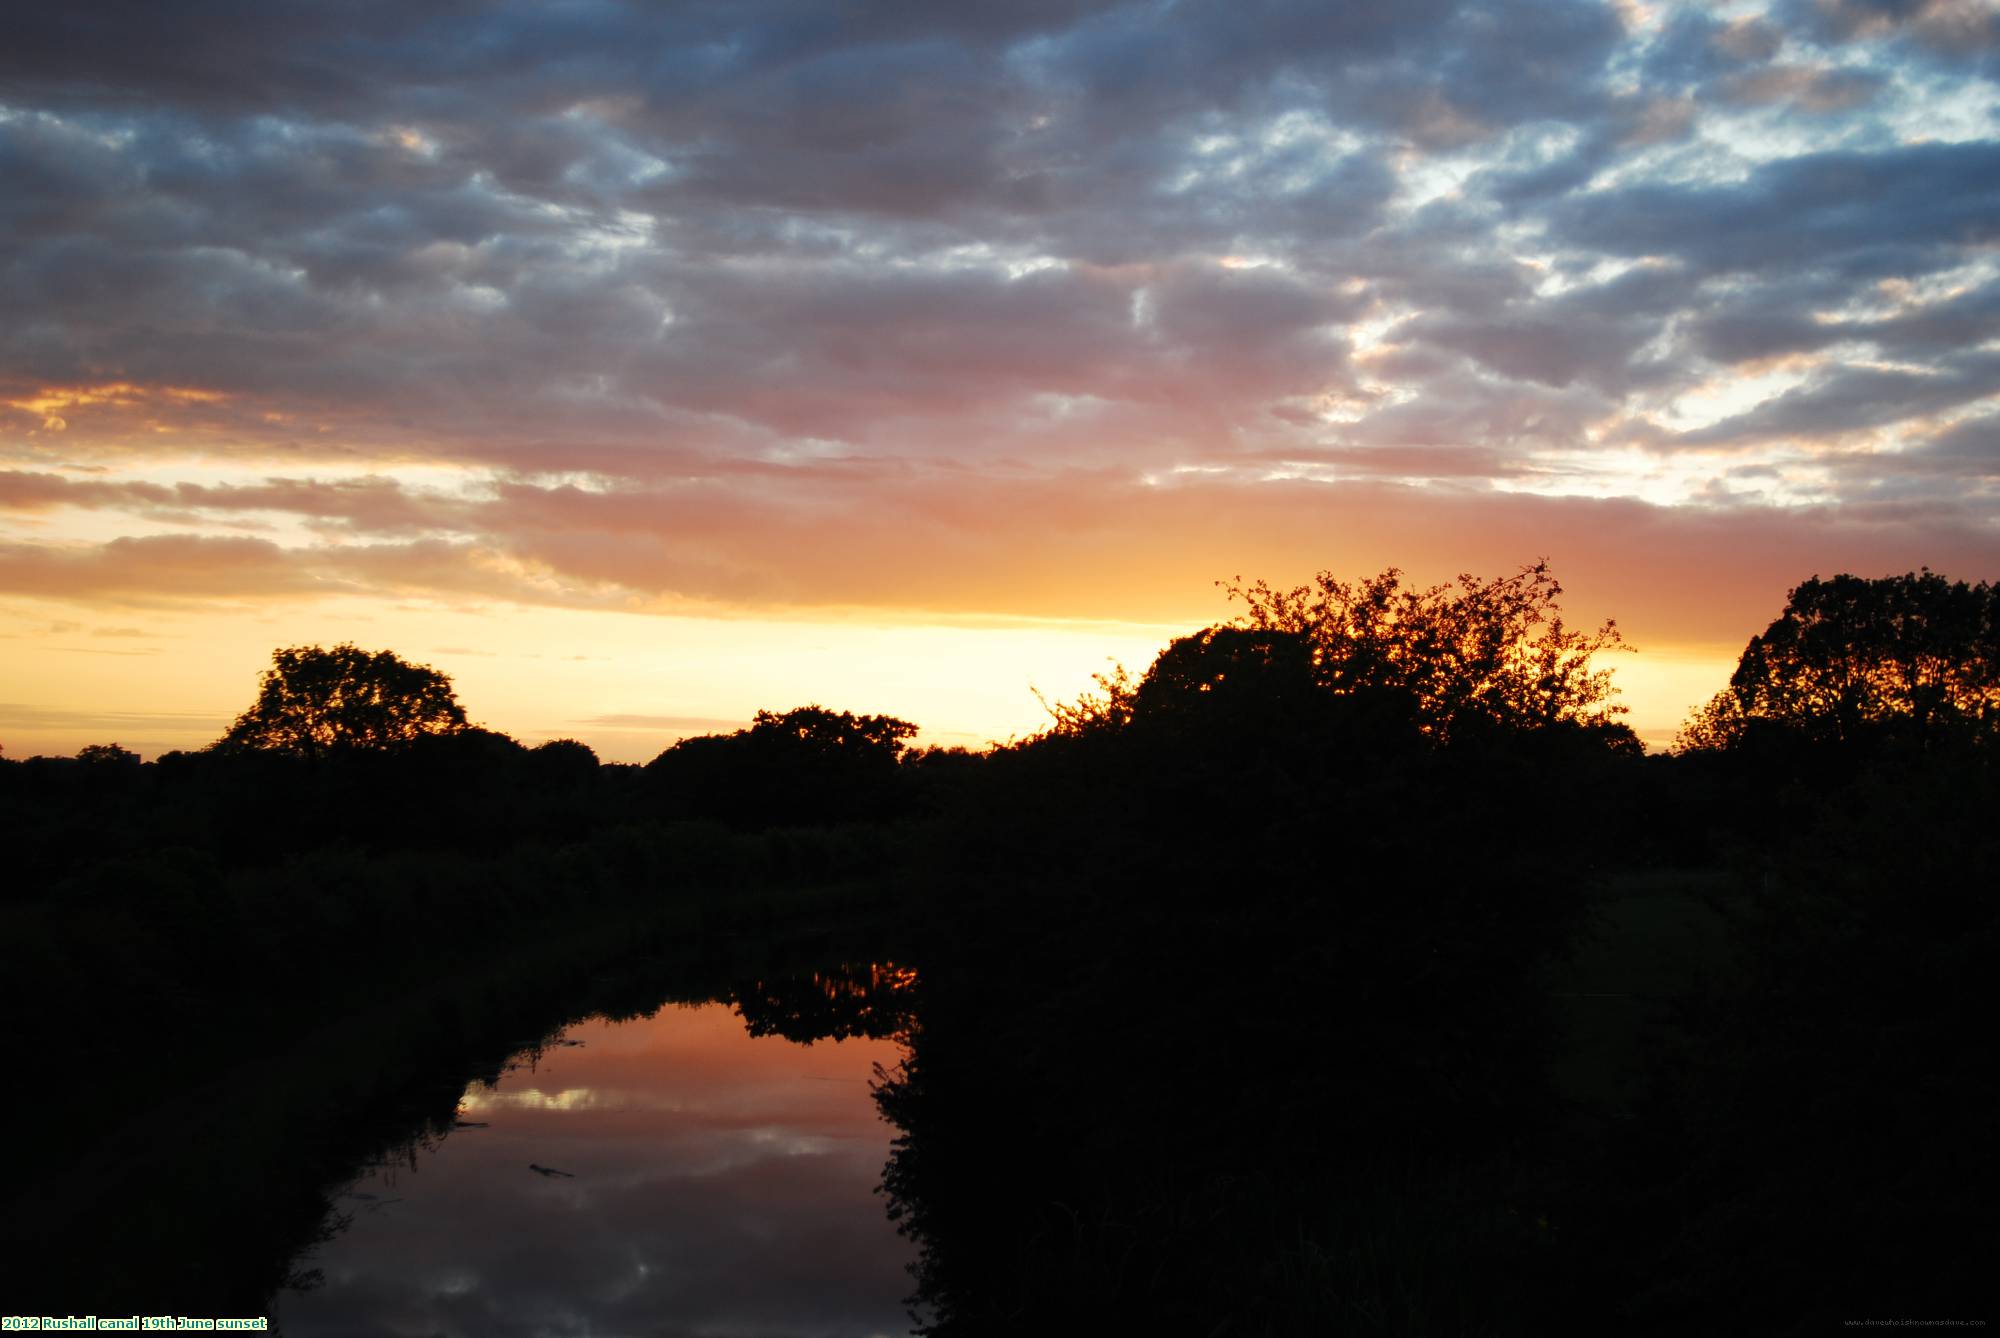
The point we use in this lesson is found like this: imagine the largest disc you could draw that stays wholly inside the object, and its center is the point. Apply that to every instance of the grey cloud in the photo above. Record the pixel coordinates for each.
(1876, 214)
(1695, 48)
(1589, 334)
(1808, 89)
(1386, 67)
(1857, 398)
(825, 250)
(1768, 320)
(1459, 410)
(1552, 349)
(1747, 39)
(1969, 450)
(1749, 331)
(1949, 31)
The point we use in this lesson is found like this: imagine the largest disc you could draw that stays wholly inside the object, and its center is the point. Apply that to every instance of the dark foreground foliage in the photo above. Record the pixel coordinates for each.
(1351, 971)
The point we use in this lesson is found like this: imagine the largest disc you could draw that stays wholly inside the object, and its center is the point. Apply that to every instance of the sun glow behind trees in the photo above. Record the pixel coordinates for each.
(626, 684)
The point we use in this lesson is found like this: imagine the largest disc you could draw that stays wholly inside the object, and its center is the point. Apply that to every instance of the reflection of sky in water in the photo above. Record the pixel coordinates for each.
(718, 1184)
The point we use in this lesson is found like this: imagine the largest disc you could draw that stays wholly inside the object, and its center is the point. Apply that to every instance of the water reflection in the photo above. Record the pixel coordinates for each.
(666, 1175)
(873, 999)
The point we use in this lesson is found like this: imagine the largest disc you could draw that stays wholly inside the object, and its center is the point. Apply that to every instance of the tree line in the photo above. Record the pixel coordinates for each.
(1848, 659)
(1362, 968)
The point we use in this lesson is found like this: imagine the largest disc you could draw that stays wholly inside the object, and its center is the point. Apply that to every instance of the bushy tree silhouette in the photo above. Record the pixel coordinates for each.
(314, 701)
(1458, 661)
(1848, 657)
(564, 760)
(107, 755)
(1228, 671)
(1466, 657)
(805, 766)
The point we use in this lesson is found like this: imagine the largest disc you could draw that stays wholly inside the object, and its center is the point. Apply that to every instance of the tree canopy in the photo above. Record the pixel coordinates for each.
(1849, 656)
(315, 701)
(1446, 663)
(1231, 671)
(1475, 653)
(815, 732)
(1464, 657)
(806, 765)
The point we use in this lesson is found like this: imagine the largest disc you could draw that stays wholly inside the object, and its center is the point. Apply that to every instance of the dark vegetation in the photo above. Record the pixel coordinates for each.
(1352, 970)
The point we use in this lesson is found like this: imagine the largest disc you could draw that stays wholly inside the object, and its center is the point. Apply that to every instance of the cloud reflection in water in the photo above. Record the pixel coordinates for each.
(717, 1184)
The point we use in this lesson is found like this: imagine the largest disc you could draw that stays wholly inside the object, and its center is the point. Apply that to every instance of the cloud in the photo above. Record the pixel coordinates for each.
(166, 566)
(1948, 30)
(181, 569)
(33, 729)
(1086, 545)
(1770, 320)
(1027, 309)
(1870, 214)
(374, 504)
(1851, 399)
(682, 724)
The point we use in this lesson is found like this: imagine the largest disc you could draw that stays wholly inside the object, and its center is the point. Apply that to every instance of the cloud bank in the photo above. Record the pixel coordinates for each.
(1057, 309)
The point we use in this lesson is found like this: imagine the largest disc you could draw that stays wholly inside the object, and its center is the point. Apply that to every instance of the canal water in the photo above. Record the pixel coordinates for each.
(667, 1175)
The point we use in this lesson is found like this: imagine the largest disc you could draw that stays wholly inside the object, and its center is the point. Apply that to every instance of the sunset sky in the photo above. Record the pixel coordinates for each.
(640, 366)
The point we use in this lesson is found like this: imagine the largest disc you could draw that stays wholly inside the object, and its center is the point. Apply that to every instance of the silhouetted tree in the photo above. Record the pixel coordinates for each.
(314, 701)
(1466, 657)
(1231, 725)
(1228, 670)
(1849, 656)
(814, 731)
(565, 758)
(1456, 661)
(806, 765)
(1816, 1145)
(107, 755)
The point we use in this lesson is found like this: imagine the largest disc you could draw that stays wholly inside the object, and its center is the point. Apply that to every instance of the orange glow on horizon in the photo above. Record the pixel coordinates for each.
(629, 684)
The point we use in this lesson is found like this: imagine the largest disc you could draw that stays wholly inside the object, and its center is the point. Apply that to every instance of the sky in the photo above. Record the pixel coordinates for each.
(642, 366)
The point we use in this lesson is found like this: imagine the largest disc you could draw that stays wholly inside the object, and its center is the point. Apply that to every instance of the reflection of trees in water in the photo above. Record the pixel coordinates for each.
(1168, 1122)
(868, 999)
(509, 1030)
(217, 1204)
(1238, 1022)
